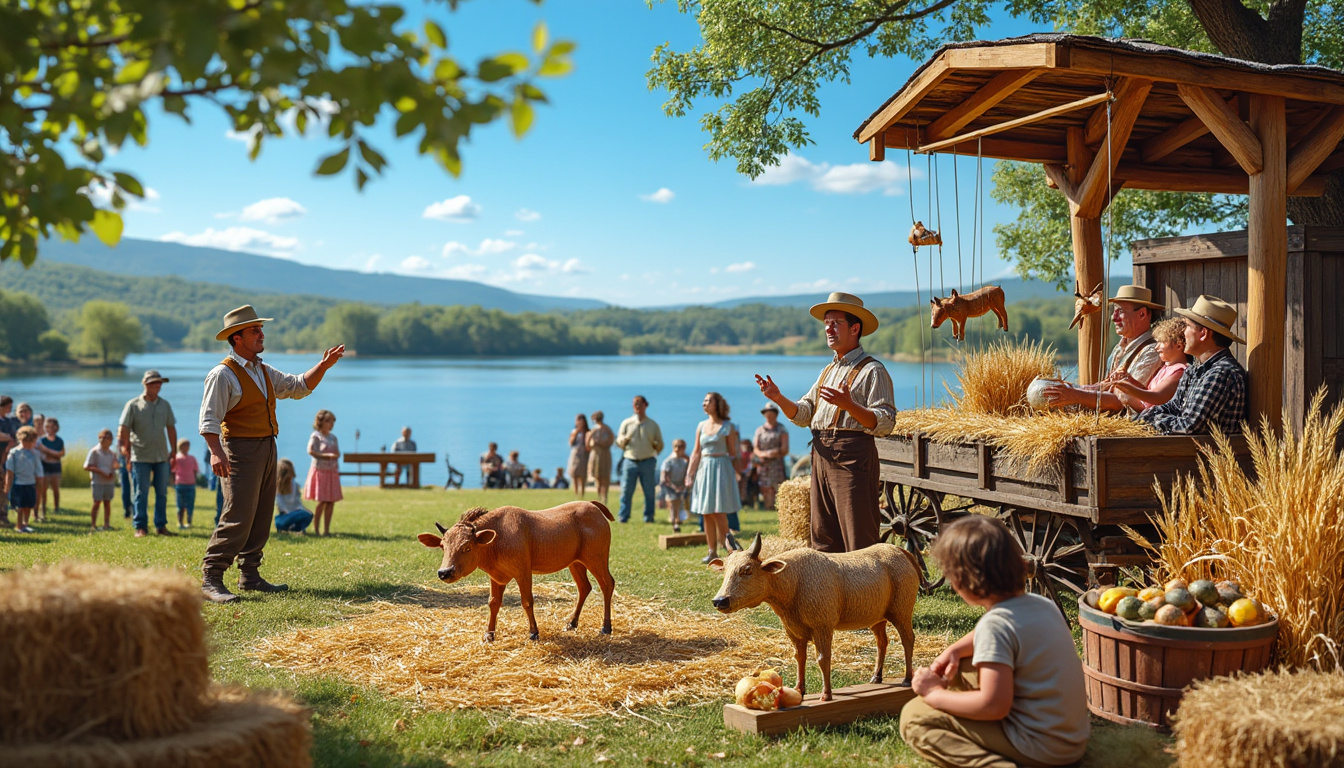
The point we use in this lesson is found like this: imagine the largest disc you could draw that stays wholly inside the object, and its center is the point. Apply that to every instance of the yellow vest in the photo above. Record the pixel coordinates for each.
(254, 415)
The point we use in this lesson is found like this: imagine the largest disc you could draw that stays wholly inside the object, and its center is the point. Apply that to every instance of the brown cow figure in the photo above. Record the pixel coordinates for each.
(1085, 305)
(974, 304)
(919, 235)
(511, 543)
(816, 593)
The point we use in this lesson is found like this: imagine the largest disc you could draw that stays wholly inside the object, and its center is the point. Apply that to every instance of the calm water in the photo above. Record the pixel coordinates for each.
(455, 406)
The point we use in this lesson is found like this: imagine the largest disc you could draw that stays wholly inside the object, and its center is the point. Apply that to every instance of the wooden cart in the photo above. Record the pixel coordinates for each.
(1067, 520)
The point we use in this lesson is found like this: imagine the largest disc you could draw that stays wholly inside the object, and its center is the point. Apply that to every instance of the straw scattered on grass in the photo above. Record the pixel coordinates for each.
(993, 380)
(427, 647)
(1278, 530)
(793, 499)
(1285, 719)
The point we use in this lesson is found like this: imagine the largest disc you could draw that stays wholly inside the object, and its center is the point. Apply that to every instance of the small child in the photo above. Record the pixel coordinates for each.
(672, 483)
(1170, 337)
(1010, 690)
(293, 517)
(184, 480)
(101, 464)
(52, 450)
(23, 470)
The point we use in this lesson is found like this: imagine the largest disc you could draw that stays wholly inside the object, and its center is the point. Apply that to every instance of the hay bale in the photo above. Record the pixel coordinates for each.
(993, 380)
(96, 651)
(793, 499)
(235, 729)
(1284, 719)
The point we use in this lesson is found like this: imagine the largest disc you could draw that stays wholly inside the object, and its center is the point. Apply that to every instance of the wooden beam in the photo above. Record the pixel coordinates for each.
(1267, 261)
(1017, 56)
(1225, 124)
(998, 149)
(1000, 87)
(907, 99)
(1129, 98)
(877, 148)
(1035, 117)
(1174, 138)
(1315, 147)
(1089, 262)
(1057, 176)
(1212, 180)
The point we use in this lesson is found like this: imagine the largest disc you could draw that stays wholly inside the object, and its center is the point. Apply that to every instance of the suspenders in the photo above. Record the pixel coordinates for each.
(848, 382)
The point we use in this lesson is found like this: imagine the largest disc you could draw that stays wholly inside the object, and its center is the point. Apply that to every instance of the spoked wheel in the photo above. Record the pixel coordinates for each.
(914, 515)
(1056, 558)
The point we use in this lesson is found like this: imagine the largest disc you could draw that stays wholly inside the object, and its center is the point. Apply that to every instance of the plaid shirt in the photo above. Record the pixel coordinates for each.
(1211, 393)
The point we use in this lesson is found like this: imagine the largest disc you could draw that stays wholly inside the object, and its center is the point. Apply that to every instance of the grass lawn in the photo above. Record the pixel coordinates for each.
(374, 555)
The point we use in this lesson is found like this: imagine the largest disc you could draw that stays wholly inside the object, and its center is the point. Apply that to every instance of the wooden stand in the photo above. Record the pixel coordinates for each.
(850, 704)
(669, 540)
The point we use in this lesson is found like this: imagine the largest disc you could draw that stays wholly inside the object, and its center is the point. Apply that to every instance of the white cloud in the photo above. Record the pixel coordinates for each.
(745, 266)
(372, 263)
(513, 233)
(272, 210)
(415, 263)
(459, 208)
(466, 272)
(574, 267)
(101, 196)
(526, 214)
(854, 179)
(237, 239)
(491, 246)
(663, 195)
(453, 248)
(488, 247)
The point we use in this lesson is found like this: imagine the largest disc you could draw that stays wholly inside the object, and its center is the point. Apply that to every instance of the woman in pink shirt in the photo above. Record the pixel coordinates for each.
(184, 480)
(1170, 337)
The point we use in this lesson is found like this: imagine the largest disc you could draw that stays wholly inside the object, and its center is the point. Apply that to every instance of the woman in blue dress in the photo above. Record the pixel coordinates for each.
(714, 481)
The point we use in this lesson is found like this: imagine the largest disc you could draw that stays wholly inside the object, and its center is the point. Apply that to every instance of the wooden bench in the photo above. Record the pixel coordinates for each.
(391, 478)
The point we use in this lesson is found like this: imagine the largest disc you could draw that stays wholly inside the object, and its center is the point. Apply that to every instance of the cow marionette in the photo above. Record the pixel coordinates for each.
(958, 308)
(921, 236)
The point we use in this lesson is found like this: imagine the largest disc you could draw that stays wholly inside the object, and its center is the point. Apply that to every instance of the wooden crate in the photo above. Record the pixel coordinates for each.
(669, 540)
(849, 704)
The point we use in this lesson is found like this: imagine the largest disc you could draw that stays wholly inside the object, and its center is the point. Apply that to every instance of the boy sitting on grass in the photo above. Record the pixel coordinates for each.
(101, 464)
(1011, 691)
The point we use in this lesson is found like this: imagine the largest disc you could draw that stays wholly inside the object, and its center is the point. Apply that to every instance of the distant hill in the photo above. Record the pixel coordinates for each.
(264, 274)
(1014, 288)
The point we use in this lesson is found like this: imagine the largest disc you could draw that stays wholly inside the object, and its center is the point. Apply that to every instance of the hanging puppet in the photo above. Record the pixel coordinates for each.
(974, 304)
(1085, 305)
(921, 236)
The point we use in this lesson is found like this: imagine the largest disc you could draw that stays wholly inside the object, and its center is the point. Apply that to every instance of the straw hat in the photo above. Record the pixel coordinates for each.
(241, 317)
(1135, 294)
(770, 407)
(152, 376)
(1215, 314)
(846, 302)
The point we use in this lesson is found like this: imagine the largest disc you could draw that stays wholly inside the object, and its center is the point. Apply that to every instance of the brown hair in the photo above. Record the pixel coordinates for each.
(26, 433)
(598, 416)
(1171, 329)
(284, 476)
(720, 405)
(322, 416)
(979, 556)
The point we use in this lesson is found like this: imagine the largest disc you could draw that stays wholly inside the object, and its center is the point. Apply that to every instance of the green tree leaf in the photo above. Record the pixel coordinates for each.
(107, 225)
(334, 163)
(521, 116)
(540, 36)
(434, 34)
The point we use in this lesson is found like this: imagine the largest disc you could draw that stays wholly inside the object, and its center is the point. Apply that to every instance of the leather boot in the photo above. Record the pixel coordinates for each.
(212, 586)
(251, 581)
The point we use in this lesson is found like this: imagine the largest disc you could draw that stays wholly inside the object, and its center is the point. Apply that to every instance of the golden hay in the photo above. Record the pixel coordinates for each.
(1285, 719)
(96, 651)
(237, 729)
(793, 499)
(427, 647)
(1038, 442)
(994, 380)
(1278, 530)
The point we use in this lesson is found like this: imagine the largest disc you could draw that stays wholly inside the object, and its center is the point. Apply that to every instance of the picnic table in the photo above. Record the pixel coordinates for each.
(391, 478)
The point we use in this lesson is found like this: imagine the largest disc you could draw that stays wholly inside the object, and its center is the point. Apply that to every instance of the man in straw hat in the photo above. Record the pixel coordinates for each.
(850, 403)
(1133, 313)
(145, 422)
(239, 426)
(1212, 392)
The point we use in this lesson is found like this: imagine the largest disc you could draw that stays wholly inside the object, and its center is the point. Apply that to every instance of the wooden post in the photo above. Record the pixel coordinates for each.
(1089, 262)
(1267, 261)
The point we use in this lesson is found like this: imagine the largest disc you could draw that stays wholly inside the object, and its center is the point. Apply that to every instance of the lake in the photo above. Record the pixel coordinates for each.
(456, 406)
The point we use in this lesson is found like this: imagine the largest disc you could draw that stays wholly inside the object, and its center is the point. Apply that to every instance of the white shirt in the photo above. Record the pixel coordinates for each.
(223, 390)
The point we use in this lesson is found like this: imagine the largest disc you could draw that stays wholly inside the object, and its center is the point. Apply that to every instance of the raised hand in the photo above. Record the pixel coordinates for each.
(331, 356)
(768, 387)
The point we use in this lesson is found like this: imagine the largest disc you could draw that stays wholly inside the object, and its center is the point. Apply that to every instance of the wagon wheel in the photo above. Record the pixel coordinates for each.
(914, 515)
(1056, 558)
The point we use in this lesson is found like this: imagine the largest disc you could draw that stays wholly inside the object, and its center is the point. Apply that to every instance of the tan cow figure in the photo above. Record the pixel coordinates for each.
(511, 543)
(1085, 305)
(974, 304)
(816, 593)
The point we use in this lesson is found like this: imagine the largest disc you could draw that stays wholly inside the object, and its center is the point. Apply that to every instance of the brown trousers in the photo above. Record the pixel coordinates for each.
(844, 490)
(249, 504)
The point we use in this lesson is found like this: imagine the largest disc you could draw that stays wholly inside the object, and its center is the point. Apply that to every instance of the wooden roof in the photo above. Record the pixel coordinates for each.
(1016, 99)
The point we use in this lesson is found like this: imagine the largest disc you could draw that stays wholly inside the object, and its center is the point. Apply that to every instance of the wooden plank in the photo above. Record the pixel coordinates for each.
(1018, 56)
(1172, 139)
(1210, 180)
(1267, 271)
(848, 705)
(999, 149)
(1315, 148)
(670, 540)
(1225, 124)
(906, 99)
(1000, 87)
(877, 149)
(1295, 326)
(1008, 125)
(1129, 98)
(1192, 247)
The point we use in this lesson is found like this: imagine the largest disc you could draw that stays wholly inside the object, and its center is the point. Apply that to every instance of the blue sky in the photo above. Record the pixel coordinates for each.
(605, 198)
